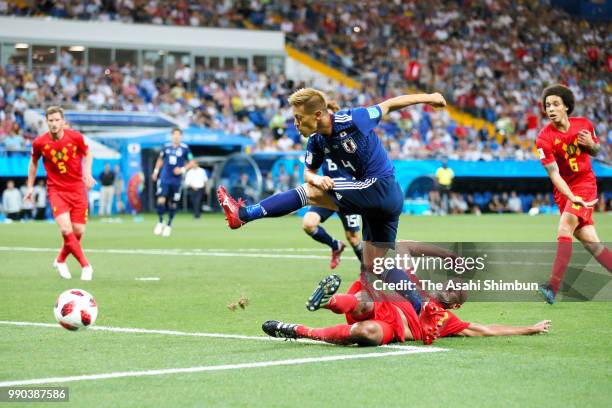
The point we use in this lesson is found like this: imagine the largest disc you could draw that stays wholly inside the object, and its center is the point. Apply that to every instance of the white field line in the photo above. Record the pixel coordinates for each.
(195, 334)
(166, 252)
(235, 254)
(401, 350)
(292, 362)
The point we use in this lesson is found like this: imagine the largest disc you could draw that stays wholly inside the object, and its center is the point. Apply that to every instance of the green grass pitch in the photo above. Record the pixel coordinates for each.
(211, 267)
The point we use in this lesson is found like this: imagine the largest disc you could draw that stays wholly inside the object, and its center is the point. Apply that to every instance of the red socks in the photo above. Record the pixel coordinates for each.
(336, 334)
(564, 254)
(64, 252)
(73, 246)
(605, 259)
(342, 303)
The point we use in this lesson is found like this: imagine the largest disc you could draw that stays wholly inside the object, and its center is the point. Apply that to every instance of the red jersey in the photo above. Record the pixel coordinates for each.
(574, 163)
(63, 160)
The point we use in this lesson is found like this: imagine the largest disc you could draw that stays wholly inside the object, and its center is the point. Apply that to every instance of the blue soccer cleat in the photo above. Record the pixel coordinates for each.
(548, 294)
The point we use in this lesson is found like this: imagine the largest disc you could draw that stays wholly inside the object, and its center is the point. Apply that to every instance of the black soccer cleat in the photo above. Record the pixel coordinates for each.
(274, 328)
(321, 295)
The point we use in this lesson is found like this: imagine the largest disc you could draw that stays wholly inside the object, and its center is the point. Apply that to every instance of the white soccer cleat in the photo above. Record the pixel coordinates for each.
(86, 273)
(158, 228)
(62, 268)
(167, 231)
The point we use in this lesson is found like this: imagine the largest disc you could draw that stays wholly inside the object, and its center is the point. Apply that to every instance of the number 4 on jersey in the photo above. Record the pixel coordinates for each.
(348, 165)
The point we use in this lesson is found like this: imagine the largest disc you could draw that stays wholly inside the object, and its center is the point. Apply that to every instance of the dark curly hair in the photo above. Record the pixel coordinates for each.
(562, 92)
(448, 298)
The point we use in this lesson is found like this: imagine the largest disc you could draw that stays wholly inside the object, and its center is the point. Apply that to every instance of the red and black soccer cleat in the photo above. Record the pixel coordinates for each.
(432, 318)
(335, 260)
(230, 207)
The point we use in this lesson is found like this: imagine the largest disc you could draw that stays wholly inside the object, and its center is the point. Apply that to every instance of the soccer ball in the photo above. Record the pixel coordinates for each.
(75, 309)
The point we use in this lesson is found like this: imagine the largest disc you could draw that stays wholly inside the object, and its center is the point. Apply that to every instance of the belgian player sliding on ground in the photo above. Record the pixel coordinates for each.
(565, 146)
(67, 161)
(374, 323)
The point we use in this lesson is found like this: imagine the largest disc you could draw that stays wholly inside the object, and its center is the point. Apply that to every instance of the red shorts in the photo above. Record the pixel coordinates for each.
(74, 202)
(584, 214)
(388, 313)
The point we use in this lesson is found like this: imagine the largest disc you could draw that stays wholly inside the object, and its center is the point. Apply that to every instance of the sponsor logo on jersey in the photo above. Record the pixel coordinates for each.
(338, 196)
(349, 145)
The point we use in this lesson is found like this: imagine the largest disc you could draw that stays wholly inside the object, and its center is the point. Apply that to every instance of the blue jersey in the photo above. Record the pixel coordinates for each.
(353, 145)
(173, 157)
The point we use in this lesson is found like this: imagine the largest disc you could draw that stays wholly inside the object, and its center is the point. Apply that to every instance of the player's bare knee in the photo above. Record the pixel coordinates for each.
(78, 230)
(65, 229)
(364, 304)
(313, 192)
(161, 200)
(367, 334)
(309, 227)
(595, 248)
(310, 222)
(353, 238)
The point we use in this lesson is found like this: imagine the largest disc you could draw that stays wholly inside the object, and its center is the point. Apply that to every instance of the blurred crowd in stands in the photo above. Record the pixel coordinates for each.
(449, 45)
(502, 203)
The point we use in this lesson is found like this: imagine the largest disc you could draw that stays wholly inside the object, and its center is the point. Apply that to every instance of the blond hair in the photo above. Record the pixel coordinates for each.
(312, 99)
(54, 109)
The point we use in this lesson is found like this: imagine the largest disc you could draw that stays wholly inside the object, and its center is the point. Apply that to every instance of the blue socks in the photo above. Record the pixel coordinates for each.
(396, 276)
(359, 251)
(320, 235)
(161, 208)
(275, 206)
(171, 212)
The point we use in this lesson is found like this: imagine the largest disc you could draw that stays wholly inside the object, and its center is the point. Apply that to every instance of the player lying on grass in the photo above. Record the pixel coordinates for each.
(374, 323)
(565, 146)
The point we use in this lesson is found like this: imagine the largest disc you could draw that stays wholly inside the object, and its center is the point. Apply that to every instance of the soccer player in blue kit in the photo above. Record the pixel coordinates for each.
(347, 137)
(174, 160)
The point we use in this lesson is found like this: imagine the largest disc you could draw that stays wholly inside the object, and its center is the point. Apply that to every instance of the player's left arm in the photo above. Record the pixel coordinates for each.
(400, 102)
(589, 142)
(482, 330)
(191, 163)
(87, 177)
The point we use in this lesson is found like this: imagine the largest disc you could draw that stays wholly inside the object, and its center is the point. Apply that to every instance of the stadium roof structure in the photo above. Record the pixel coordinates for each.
(47, 31)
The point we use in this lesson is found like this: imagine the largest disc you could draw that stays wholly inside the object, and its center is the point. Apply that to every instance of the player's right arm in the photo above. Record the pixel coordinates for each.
(481, 330)
(553, 172)
(313, 161)
(158, 165)
(32, 170)
(548, 160)
(323, 182)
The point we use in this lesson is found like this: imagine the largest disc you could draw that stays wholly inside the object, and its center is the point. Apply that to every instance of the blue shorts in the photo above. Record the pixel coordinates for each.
(378, 201)
(171, 191)
(349, 221)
